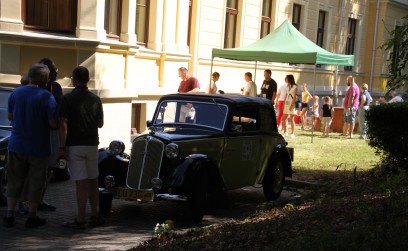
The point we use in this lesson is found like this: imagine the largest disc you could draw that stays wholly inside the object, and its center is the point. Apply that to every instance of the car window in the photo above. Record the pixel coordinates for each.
(245, 119)
(4, 95)
(267, 120)
(192, 113)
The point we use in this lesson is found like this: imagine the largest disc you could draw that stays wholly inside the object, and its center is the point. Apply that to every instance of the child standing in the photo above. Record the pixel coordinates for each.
(326, 115)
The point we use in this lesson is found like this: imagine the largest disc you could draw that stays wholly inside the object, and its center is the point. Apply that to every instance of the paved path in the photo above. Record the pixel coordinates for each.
(127, 226)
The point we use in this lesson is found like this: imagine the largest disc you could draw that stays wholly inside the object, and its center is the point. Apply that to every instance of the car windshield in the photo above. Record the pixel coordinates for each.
(191, 113)
(4, 95)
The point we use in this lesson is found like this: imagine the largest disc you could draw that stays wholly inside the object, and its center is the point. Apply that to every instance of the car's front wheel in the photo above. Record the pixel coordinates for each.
(273, 181)
(198, 199)
(105, 201)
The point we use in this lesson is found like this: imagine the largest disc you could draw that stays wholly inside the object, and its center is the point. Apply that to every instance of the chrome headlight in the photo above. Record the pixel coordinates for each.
(157, 183)
(109, 182)
(117, 147)
(171, 151)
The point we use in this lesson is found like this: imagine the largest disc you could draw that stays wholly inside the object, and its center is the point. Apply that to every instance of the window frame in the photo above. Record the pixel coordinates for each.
(231, 11)
(351, 39)
(296, 18)
(49, 27)
(107, 21)
(320, 28)
(266, 20)
(146, 26)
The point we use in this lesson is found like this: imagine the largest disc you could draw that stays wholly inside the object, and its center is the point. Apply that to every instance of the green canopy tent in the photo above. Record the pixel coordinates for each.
(285, 45)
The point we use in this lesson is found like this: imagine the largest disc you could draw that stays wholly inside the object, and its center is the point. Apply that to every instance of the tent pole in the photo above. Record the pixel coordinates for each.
(211, 70)
(313, 108)
(256, 63)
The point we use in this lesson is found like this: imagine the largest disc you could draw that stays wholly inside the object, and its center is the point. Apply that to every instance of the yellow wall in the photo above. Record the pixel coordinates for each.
(123, 73)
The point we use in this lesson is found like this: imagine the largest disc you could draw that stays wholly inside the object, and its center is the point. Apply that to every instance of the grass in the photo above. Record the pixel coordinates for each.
(325, 155)
(358, 208)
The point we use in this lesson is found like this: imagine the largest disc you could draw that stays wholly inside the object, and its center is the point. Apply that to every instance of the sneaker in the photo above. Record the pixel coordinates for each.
(35, 222)
(74, 224)
(96, 221)
(8, 221)
(44, 206)
(292, 136)
(285, 134)
(23, 207)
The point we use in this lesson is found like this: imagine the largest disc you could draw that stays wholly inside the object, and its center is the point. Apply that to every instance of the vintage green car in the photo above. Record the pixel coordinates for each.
(196, 147)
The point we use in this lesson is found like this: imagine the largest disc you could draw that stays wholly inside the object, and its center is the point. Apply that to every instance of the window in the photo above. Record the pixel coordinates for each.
(113, 15)
(396, 69)
(142, 23)
(190, 14)
(231, 23)
(50, 15)
(266, 17)
(351, 37)
(296, 16)
(320, 28)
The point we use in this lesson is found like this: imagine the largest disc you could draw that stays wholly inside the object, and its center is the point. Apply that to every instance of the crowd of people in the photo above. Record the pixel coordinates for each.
(48, 126)
(357, 101)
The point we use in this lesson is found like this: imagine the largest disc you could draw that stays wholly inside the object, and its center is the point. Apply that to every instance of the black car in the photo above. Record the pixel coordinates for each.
(5, 131)
(198, 146)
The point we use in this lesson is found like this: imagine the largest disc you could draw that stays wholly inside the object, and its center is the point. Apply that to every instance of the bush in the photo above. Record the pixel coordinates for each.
(388, 134)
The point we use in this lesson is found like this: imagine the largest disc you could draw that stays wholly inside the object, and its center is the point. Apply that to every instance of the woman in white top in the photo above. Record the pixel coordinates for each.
(250, 87)
(281, 96)
(289, 108)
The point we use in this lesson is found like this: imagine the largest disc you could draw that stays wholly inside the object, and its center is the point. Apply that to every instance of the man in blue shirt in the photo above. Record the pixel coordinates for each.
(32, 111)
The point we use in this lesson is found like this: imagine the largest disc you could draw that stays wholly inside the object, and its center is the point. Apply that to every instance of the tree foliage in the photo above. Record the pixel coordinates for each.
(397, 44)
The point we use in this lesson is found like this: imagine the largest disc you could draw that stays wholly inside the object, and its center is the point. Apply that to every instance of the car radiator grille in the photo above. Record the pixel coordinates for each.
(145, 162)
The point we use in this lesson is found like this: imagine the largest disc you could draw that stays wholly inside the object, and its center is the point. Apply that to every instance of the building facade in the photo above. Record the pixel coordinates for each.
(133, 48)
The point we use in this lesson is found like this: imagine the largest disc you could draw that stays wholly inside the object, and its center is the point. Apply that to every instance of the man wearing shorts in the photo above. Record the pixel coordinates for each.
(33, 112)
(81, 115)
(350, 104)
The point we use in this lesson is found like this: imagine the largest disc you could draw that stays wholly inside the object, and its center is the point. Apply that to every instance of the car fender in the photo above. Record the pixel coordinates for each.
(280, 152)
(283, 153)
(192, 167)
(115, 165)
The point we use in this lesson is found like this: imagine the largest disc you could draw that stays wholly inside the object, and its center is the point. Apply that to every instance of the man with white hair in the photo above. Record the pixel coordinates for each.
(395, 98)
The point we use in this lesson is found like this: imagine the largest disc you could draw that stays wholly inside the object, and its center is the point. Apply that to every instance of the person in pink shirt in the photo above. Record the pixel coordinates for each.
(350, 104)
(188, 83)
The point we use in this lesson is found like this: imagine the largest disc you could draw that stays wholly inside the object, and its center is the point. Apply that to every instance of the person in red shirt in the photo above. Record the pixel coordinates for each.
(188, 83)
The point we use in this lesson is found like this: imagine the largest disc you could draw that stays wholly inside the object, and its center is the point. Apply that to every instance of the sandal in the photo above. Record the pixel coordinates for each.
(74, 224)
(96, 221)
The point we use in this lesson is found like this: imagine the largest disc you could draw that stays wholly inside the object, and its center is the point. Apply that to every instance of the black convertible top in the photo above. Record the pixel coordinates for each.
(228, 99)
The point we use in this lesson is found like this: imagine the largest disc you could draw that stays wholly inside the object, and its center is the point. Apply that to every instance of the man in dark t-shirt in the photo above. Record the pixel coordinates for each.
(81, 115)
(269, 87)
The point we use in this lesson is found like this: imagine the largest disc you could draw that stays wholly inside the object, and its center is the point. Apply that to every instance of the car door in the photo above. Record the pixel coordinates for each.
(239, 166)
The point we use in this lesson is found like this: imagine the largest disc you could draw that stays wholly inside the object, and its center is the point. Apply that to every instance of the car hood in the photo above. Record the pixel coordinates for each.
(5, 131)
(181, 133)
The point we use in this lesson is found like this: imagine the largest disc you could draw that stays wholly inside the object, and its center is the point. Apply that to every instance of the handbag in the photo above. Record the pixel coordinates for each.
(298, 103)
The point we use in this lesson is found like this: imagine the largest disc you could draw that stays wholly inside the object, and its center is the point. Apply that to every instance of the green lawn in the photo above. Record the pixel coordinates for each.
(327, 154)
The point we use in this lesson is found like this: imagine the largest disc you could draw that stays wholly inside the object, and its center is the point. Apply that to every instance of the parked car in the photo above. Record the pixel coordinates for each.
(196, 147)
(5, 132)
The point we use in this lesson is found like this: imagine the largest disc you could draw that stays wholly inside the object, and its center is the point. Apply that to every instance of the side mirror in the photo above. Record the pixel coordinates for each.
(149, 123)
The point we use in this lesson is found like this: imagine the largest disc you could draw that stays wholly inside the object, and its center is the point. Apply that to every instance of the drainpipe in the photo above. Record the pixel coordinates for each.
(336, 72)
(374, 46)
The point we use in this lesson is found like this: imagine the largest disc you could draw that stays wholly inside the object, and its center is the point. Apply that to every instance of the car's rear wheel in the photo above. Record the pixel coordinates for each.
(273, 181)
